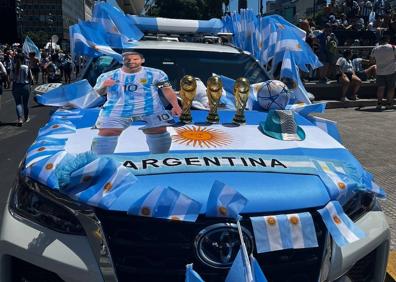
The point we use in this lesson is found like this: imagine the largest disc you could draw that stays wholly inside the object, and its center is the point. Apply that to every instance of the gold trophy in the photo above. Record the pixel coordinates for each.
(241, 94)
(214, 90)
(188, 90)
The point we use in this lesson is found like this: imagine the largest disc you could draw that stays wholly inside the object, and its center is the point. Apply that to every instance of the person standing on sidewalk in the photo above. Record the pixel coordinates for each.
(3, 77)
(21, 79)
(385, 58)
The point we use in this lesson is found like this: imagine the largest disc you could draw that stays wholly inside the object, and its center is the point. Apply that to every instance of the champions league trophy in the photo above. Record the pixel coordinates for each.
(241, 94)
(214, 90)
(188, 90)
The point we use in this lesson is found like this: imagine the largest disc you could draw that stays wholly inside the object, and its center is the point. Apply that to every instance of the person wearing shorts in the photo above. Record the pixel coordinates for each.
(132, 94)
(385, 59)
(346, 76)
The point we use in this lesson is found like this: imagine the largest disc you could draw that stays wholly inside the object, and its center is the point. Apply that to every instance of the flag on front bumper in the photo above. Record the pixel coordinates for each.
(285, 231)
(166, 203)
(224, 201)
(99, 182)
(340, 226)
(43, 171)
(191, 275)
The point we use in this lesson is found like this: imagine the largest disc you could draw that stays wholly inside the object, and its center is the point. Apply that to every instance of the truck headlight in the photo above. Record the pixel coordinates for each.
(28, 202)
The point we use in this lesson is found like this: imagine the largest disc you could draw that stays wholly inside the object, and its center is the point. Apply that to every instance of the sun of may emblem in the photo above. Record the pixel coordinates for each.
(201, 137)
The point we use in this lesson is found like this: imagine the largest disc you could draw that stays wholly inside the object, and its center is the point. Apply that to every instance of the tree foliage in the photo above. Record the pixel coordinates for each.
(39, 38)
(187, 9)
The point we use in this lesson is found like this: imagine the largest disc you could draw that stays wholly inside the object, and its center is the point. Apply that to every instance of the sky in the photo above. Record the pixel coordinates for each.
(252, 4)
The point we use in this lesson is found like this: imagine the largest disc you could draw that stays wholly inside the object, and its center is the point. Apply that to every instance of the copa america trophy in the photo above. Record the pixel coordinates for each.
(241, 94)
(214, 90)
(188, 90)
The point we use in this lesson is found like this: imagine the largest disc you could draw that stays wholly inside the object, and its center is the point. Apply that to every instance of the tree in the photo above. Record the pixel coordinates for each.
(187, 9)
(39, 38)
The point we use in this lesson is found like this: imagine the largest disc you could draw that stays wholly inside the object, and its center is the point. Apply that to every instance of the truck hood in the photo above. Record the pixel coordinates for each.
(273, 175)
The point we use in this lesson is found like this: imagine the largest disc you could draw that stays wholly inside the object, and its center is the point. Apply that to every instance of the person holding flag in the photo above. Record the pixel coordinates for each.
(132, 94)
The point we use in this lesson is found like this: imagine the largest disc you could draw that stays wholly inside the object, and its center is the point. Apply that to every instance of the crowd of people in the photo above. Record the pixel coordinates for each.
(353, 41)
(18, 71)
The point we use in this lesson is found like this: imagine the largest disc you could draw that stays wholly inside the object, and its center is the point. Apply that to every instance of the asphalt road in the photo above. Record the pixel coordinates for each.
(369, 135)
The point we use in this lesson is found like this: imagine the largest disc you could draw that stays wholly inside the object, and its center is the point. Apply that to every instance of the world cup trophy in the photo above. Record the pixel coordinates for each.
(241, 94)
(188, 90)
(214, 90)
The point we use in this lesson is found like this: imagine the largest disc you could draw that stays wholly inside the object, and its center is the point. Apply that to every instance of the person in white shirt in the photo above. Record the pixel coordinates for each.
(3, 77)
(385, 58)
(346, 76)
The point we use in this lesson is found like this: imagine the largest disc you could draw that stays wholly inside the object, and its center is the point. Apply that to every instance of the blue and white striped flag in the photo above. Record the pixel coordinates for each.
(224, 201)
(44, 171)
(120, 30)
(38, 151)
(258, 275)
(57, 127)
(370, 185)
(29, 47)
(328, 126)
(192, 275)
(239, 270)
(305, 110)
(340, 226)
(69, 114)
(166, 203)
(290, 70)
(90, 39)
(340, 186)
(244, 269)
(99, 183)
(285, 231)
(79, 94)
(90, 174)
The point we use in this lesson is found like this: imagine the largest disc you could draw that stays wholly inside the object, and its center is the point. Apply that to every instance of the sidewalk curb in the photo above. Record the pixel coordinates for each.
(391, 269)
(334, 104)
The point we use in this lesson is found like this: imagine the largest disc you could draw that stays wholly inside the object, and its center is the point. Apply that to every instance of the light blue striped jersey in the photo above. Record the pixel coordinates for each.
(134, 94)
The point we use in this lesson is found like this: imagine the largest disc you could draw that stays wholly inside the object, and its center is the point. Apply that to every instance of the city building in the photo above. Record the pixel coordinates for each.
(40, 19)
(8, 21)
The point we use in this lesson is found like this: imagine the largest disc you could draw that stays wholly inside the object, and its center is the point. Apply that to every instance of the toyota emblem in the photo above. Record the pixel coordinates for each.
(218, 244)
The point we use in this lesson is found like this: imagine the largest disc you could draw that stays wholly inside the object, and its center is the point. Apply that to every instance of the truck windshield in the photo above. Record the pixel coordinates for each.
(177, 63)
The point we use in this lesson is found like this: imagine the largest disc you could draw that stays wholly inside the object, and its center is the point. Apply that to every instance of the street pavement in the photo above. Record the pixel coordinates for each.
(368, 134)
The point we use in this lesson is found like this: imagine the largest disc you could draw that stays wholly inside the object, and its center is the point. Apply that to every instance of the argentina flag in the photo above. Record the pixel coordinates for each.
(120, 31)
(285, 231)
(111, 184)
(224, 201)
(340, 186)
(89, 174)
(29, 47)
(240, 270)
(166, 203)
(290, 70)
(191, 275)
(79, 94)
(43, 171)
(41, 150)
(305, 110)
(371, 186)
(340, 226)
(328, 126)
(90, 39)
(258, 275)
(57, 127)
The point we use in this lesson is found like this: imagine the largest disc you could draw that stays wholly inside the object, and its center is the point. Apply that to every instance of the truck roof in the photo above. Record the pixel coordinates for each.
(192, 46)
